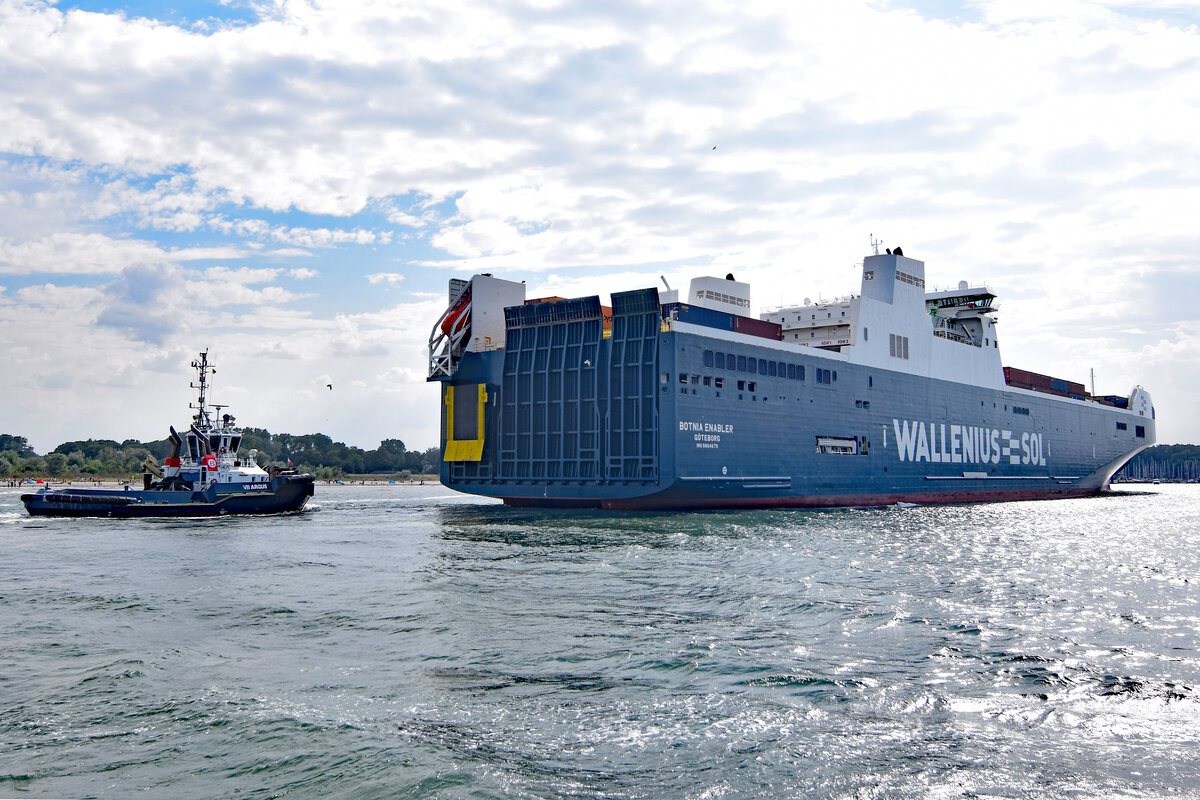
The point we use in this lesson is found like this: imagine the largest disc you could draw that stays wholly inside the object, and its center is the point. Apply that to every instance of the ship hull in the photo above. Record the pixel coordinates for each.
(644, 420)
(284, 493)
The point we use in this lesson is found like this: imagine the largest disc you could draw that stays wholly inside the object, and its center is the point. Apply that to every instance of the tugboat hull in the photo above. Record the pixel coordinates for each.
(281, 494)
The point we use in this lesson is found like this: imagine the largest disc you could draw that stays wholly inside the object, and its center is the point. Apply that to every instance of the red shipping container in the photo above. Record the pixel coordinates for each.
(758, 327)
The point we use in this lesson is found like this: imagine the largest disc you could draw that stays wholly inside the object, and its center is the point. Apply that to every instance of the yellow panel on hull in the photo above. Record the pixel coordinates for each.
(464, 449)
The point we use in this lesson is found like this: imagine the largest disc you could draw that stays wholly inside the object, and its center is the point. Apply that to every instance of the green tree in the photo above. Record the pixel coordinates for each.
(56, 464)
(15, 444)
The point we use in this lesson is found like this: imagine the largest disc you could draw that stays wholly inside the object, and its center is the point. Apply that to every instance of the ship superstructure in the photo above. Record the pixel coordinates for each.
(894, 394)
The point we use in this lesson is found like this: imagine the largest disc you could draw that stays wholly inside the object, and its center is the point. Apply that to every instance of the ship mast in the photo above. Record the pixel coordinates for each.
(202, 367)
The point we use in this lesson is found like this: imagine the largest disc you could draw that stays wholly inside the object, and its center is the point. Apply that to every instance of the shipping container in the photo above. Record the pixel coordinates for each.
(758, 327)
(698, 315)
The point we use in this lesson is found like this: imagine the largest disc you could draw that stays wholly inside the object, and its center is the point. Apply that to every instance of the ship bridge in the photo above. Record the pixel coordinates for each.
(960, 315)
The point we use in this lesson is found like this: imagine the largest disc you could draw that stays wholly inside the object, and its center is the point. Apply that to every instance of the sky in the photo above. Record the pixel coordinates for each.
(290, 184)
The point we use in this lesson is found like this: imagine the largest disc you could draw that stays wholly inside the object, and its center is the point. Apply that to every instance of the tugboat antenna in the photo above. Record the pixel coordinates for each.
(201, 367)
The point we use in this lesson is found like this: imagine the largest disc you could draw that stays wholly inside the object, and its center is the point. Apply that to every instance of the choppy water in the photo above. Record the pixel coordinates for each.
(408, 642)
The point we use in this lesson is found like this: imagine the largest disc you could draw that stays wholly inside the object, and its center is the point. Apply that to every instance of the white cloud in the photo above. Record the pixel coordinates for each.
(74, 253)
(242, 275)
(392, 279)
(1053, 154)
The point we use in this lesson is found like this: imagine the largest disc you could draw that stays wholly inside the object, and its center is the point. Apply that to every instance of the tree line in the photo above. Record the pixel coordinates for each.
(315, 453)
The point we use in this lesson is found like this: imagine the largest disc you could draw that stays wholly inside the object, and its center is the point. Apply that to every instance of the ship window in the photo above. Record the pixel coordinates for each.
(695, 380)
(1121, 426)
(741, 362)
(762, 366)
(870, 381)
(214, 443)
(193, 448)
(1139, 431)
(708, 358)
(707, 380)
(799, 372)
(234, 443)
(906, 348)
(683, 377)
(720, 383)
(752, 363)
(664, 378)
(729, 361)
(866, 334)
(741, 386)
(791, 372)
(751, 386)
(720, 361)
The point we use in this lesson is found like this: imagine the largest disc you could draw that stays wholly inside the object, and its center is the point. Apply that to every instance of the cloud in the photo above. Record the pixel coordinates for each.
(573, 146)
(74, 253)
(136, 303)
(392, 279)
(242, 275)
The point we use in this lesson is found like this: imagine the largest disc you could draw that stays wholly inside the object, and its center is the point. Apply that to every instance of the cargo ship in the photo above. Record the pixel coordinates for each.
(893, 395)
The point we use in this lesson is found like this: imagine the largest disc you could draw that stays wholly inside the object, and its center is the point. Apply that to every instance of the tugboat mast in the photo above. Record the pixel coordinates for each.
(201, 366)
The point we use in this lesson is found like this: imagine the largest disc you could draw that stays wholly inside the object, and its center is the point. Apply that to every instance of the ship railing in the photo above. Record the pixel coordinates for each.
(446, 344)
(820, 303)
(942, 329)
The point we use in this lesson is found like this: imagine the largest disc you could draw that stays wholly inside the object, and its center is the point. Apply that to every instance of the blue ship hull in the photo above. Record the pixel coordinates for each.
(282, 494)
(643, 419)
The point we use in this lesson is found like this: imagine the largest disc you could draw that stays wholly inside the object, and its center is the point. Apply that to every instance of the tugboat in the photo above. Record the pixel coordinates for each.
(204, 476)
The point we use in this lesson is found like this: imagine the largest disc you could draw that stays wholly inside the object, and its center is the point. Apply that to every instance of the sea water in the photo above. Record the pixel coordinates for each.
(404, 641)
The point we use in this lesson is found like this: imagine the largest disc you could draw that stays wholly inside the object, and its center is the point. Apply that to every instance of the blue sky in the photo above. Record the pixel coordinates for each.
(290, 184)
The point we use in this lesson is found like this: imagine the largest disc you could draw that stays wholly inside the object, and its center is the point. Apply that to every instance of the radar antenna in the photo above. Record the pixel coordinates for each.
(875, 243)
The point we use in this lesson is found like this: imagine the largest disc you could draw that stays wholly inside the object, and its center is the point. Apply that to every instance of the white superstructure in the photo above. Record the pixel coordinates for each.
(894, 323)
